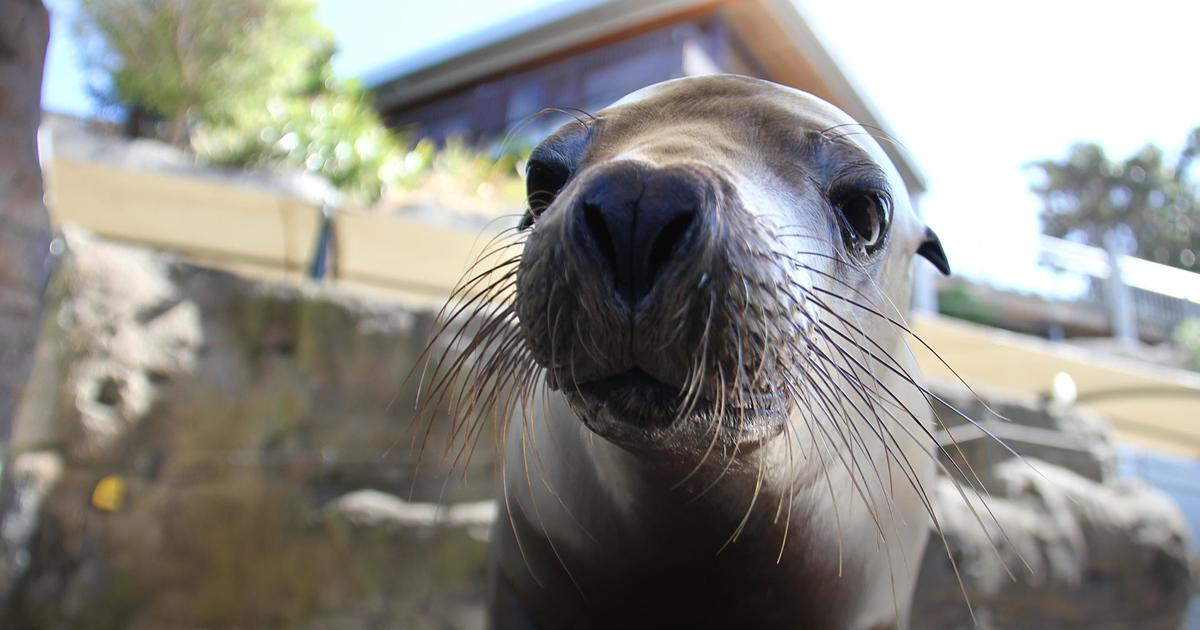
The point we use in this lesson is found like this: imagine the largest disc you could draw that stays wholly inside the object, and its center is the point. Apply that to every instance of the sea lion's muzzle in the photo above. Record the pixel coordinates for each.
(637, 284)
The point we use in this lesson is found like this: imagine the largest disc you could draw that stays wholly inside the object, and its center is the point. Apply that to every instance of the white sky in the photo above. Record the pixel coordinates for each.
(973, 90)
(976, 90)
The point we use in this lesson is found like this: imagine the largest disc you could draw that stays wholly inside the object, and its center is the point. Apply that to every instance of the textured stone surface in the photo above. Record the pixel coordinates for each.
(204, 451)
(233, 414)
(1058, 551)
(1058, 543)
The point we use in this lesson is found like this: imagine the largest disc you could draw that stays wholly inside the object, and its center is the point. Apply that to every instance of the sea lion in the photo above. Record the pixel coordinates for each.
(700, 329)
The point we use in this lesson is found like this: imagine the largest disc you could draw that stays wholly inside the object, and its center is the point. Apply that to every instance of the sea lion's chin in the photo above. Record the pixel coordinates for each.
(639, 412)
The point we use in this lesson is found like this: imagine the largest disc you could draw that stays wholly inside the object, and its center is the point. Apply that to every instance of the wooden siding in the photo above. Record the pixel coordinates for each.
(587, 80)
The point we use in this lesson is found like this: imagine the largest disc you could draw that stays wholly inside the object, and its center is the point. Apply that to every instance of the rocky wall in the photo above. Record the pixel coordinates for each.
(185, 443)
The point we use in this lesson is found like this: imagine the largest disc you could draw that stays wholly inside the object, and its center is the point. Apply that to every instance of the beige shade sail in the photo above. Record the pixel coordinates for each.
(1151, 407)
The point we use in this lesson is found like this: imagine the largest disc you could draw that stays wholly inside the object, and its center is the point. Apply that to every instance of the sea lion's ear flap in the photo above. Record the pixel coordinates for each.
(931, 249)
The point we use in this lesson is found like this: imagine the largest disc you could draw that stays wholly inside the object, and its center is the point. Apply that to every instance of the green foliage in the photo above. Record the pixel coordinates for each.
(250, 83)
(958, 303)
(1187, 335)
(462, 179)
(1145, 201)
(324, 125)
(189, 62)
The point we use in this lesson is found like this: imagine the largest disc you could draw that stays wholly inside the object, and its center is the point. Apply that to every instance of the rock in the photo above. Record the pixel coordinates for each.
(374, 508)
(1069, 437)
(231, 414)
(1050, 546)
(33, 475)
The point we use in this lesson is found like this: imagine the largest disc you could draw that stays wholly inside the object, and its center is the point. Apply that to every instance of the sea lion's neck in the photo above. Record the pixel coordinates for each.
(623, 527)
(581, 513)
(722, 485)
(697, 507)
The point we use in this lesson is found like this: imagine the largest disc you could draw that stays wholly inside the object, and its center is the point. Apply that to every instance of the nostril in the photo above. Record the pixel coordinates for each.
(665, 244)
(634, 224)
(598, 227)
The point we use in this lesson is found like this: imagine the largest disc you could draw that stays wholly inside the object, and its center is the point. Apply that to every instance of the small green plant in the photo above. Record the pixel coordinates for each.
(327, 126)
(958, 303)
(1187, 335)
(460, 178)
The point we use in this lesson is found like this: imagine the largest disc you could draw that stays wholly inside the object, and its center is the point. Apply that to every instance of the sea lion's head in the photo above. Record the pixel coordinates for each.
(706, 259)
(714, 265)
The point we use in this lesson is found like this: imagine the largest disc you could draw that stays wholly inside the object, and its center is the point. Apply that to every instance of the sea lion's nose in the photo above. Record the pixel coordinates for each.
(637, 221)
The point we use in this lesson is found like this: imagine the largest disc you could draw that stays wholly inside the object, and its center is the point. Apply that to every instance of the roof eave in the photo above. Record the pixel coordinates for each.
(594, 22)
(598, 20)
(840, 89)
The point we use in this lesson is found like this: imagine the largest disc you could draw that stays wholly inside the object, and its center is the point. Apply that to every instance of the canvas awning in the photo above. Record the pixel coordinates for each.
(1150, 407)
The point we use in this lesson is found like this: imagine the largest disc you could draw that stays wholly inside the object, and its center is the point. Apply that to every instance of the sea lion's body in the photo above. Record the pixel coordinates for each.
(735, 438)
(652, 560)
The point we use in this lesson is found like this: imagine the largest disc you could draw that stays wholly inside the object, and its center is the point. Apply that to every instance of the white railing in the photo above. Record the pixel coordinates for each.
(1153, 297)
(1138, 273)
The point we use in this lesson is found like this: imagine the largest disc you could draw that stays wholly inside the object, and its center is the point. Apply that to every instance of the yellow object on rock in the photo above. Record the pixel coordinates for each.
(109, 494)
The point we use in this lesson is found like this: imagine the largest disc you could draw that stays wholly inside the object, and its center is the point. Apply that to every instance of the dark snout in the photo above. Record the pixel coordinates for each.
(633, 294)
(635, 223)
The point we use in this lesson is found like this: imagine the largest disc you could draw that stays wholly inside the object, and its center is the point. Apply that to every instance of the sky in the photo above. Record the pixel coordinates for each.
(975, 91)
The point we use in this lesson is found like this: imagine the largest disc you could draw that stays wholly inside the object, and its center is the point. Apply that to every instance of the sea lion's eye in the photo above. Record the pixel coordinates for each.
(543, 181)
(865, 217)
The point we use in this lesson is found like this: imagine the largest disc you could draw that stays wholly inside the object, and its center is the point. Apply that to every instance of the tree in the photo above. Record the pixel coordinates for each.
(24, 224)
(1187, 337)
(186, 62)
(1144, 204)
(24, 231)
(244, 83)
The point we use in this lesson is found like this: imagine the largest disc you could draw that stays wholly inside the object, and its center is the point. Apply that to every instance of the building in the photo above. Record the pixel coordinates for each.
(587, 53)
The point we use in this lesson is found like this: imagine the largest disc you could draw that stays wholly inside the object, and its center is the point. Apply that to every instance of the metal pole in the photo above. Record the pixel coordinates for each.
(1122, 311)
(325, 255)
